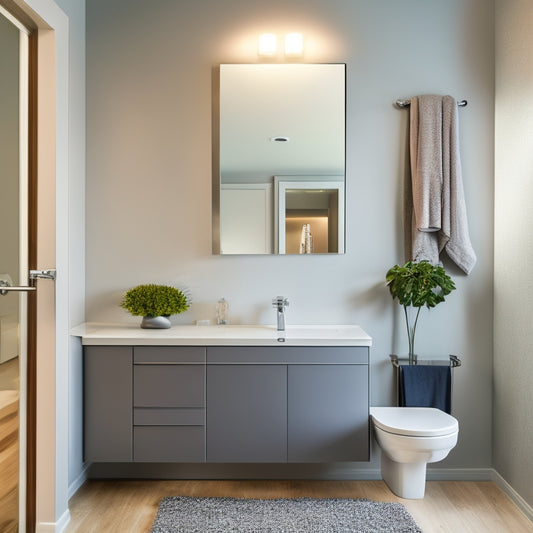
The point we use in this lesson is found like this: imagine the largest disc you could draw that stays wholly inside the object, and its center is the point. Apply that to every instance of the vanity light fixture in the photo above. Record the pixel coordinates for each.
(294, 45)
(267, 45)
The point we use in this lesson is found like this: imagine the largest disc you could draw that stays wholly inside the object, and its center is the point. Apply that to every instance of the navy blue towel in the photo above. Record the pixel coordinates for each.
(426, 386)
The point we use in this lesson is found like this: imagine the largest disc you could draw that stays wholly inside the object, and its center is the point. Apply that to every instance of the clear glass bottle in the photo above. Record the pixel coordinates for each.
(222, 311)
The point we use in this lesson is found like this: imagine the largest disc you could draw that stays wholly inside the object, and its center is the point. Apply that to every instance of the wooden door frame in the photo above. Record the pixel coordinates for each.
(48, 339)
(31, 376)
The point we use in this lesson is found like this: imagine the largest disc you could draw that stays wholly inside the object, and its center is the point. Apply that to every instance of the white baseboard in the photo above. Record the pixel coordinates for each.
(517, 499)
(78, 482)
(54, 527)
(459, 474)
(61, 524)
(432, 474)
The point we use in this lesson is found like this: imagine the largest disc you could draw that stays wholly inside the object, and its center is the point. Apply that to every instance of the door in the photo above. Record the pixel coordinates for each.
(13, 252)
(246, 218)
(17, 294)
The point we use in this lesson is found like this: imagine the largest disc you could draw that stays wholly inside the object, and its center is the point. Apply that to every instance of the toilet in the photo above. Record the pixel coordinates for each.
(411, 437)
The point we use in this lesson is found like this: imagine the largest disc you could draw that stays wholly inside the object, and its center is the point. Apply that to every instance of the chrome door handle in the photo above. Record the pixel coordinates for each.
(34, 275)
(5, 288)
(50, 273)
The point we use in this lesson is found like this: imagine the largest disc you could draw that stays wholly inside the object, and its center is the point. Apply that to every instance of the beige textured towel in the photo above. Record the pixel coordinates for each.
(435, 209)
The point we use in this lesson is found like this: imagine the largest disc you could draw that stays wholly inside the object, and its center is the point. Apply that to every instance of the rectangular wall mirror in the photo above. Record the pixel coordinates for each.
(279, 160)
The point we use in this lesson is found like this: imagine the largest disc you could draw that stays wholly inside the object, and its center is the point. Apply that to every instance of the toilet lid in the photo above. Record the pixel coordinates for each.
(414, 421)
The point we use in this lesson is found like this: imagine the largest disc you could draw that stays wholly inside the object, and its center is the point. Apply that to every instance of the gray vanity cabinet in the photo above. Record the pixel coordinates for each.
(108, 389)
(169, 404)
(253, 404)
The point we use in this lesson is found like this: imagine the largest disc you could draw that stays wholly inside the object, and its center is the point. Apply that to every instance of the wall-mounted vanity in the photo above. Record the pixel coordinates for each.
(226, 394)
(279, 159)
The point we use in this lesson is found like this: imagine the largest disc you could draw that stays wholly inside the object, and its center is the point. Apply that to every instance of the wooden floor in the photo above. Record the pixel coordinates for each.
(9, 460)
(449, 506)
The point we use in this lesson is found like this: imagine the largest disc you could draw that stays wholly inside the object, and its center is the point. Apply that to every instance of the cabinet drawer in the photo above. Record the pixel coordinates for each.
(168, 354)
(290, 355)
(166, 444)
(143, 416)
(169, 385)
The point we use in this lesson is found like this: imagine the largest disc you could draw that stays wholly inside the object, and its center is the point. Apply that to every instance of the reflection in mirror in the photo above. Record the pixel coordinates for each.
(310, 215)
(281, 174)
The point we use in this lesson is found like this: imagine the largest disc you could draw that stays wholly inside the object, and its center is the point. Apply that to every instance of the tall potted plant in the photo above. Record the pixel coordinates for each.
(416, 285)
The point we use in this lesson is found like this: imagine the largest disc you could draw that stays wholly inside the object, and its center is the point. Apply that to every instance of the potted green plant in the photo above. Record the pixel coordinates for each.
(417, 284)
(155, 303)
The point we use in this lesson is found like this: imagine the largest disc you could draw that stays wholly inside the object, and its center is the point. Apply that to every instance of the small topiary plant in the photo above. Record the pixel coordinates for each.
(416, 285)
(155, 300)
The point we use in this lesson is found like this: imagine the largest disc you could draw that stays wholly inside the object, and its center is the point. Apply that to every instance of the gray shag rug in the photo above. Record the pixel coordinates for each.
(300, 515)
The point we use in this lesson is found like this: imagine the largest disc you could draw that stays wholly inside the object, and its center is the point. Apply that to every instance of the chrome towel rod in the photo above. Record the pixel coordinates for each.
(407, 103)
(453, 362)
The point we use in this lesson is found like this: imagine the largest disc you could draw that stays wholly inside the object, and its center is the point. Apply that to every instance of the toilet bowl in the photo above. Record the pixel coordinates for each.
(411, 437)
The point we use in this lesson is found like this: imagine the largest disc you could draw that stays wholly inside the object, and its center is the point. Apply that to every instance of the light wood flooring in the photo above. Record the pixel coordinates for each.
(9, 460)
(449, 506)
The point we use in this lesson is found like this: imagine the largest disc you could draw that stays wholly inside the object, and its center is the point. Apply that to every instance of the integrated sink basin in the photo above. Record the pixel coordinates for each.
(229, 335)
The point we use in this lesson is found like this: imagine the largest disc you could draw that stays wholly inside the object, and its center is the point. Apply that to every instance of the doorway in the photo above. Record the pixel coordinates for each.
(38, 497)
(48, 340)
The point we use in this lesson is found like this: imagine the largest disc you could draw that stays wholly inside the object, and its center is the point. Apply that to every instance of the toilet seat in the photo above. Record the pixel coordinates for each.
(414, 421)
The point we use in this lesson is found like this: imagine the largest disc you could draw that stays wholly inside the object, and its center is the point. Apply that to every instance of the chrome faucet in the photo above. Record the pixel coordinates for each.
(280, 303)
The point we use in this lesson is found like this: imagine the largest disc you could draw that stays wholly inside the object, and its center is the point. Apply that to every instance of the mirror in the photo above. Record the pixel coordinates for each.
(279, 160)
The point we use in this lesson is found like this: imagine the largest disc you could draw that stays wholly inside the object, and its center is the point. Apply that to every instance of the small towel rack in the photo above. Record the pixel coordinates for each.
(454, 361)
(407, 103)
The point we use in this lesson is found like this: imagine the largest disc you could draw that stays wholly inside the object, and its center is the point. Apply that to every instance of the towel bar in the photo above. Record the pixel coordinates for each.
(407, 103)
(454, 361)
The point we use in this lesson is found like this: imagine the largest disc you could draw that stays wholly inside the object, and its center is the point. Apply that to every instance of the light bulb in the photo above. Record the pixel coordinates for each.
(294, 45)
(267, 45)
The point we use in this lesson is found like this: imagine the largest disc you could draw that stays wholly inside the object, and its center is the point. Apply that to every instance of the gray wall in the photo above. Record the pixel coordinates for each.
(513, 269)
(148, 203)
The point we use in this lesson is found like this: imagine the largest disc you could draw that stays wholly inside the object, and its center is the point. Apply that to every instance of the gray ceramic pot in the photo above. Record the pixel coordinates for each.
(155, 322)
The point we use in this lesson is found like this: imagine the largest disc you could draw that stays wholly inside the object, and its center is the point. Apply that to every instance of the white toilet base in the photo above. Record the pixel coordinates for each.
(406, 480)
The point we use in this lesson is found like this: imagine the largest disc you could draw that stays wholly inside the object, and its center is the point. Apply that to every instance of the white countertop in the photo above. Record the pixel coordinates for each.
(227, 335)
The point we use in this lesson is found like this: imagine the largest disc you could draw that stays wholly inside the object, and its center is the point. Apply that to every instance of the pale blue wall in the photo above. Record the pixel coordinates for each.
(148, 204)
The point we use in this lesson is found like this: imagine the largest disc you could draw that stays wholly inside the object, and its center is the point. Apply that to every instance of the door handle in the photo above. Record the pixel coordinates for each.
(4, 288)
(50, 273)
(34, 275)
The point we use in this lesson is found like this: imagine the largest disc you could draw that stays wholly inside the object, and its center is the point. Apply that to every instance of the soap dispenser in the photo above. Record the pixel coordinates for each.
(222, 311)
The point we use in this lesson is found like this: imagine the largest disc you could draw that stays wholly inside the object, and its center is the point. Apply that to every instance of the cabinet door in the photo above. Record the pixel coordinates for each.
(107, 403)
(328, 413)
(246, 413)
